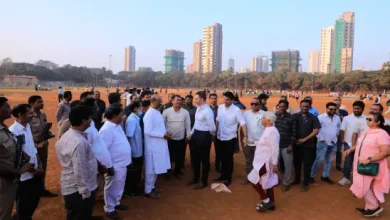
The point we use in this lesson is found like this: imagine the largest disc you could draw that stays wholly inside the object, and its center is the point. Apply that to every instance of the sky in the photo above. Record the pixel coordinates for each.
(85, 33)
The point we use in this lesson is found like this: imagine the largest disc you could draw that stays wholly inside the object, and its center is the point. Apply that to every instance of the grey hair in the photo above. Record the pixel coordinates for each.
(270, 116)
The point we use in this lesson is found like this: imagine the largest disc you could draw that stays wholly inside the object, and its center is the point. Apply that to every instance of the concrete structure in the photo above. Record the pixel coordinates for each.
(19, 80)
(264, 64)
(256, 64)
(190, 68)
(130, 59)
(314, 61)
(145, 69)
(212, 49)
(197, 58)
(346, 60)
(285, 61)
(344, 38)
(244, 69)
(327, 50)
(174, 61)
(231, 64)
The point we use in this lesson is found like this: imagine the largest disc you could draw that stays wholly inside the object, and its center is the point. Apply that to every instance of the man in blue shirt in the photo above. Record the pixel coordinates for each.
(312, 110)
(60, 94)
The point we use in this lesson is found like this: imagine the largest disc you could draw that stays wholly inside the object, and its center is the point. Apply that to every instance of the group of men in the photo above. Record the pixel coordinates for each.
(123, 153)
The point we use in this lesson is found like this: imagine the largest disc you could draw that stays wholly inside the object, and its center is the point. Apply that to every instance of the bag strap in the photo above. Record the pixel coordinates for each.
(361, 144)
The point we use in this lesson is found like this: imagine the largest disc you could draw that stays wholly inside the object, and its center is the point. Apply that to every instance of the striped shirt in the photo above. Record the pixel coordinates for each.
(287, 129)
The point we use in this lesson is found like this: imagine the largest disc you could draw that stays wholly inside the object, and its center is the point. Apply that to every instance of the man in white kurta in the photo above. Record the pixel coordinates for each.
(157, 159)
(120, 152)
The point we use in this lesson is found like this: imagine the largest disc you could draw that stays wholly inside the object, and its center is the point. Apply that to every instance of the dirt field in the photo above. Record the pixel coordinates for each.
(179, 201)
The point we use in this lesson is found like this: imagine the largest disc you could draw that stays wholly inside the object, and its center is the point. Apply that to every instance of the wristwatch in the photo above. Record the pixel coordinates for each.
(369, 158)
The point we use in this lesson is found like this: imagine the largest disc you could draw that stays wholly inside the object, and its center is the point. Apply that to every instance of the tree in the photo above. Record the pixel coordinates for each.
(48, 64)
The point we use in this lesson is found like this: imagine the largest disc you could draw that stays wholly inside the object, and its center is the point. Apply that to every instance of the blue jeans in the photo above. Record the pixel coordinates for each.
(324, 152)
(348, 163)
(339, 154)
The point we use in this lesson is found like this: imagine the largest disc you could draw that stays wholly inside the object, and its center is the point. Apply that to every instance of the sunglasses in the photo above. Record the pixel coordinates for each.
(332, 109)
(369, 119)
(256, 104)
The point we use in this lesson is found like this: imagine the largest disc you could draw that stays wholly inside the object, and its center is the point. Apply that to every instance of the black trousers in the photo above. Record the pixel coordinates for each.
(43, 153)
(78, 208)
(305, 155)
(134, 175)
(218, 158)
(227, 152)
(60, 97)
(28, 197)
(177, 153)
(200, 154)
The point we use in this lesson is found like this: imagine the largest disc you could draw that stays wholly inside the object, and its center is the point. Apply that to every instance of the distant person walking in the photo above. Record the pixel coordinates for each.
(60, 94)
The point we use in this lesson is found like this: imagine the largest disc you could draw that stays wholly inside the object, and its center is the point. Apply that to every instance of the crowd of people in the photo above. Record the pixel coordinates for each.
(115, 150)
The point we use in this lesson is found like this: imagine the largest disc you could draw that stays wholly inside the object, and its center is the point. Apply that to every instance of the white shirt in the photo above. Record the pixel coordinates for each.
(228, 119)
(29, 147)
(177, 122)
(128, 101)
(204, 119)
(254, 128)
(348, 126)
(116, 141)
(99, 147)
(361, 126)
(330, 128)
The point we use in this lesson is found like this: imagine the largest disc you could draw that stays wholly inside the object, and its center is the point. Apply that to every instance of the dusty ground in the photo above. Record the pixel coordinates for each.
(179, 201)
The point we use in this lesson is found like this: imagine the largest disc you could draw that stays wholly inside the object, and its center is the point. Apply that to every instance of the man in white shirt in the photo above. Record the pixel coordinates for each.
(202, 134)
(347, 129)
(156, 147)
(327, 140)
(120, 152)
(177, 121)
(228, 118)
(255, 130)
(31, 184)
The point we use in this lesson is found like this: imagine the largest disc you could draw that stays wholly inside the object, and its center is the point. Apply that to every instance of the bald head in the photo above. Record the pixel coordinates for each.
(155, 101)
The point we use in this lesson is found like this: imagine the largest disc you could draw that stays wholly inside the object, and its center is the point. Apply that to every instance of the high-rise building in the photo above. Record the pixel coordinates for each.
(174, 61)
(286, 61)
(130, 59)
(145, 69)
(314, 61)
(212, 49)
(264, 64)
(231, 64)
(256, 64)
(344, 38)
(346, 60)
(190, 68)
(197, 58)
(327, 50)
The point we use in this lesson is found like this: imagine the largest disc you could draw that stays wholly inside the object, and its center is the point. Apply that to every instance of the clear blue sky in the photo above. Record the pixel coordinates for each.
(85, 32)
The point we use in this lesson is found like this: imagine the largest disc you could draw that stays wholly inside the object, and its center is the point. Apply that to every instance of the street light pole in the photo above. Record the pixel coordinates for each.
(110, 56)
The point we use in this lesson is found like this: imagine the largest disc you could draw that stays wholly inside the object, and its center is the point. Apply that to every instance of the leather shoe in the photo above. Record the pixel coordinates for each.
(192, 182)
(122, 207)
(113, 215)
(221, 178)
(227, 182)
(200, 186)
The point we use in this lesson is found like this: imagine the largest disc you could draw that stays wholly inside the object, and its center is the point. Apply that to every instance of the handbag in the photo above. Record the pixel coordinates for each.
(371, 169)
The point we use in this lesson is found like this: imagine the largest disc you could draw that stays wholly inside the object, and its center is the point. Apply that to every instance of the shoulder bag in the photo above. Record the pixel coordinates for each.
(370, 169)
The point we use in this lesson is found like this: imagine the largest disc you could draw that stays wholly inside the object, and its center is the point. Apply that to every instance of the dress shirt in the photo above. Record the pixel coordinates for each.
(29, 147)
(330, 128)
(117, 143)
(133, 130)
(63, 111)
(360, 127)
(348, 126)
(60, 92)
(79, 165)
(177, 122)
(228, 119)
(254, 128)
(204, 120)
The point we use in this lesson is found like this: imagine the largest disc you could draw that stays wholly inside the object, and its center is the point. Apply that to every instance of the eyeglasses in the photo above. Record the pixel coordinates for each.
(252, 104)
(332, 109)
(369, 119)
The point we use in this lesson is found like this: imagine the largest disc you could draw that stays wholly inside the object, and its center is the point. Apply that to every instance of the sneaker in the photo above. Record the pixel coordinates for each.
(361, 210)
(262, 207)
(372, 213)
(326, 179)
(344, 181)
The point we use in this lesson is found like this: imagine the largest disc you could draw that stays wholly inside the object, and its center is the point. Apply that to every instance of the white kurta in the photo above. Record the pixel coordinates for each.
(156, 147)
(99, 148)
(267, 153)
